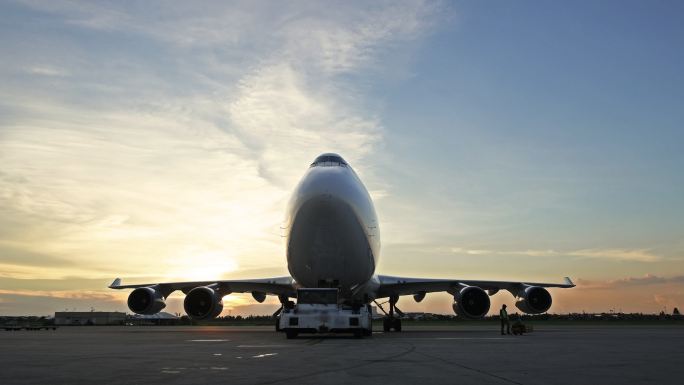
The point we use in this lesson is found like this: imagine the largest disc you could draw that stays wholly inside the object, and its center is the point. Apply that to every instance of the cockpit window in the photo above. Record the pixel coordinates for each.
(329, 160)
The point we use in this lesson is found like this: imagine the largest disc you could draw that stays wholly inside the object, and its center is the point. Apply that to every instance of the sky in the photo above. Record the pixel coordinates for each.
(158, 141)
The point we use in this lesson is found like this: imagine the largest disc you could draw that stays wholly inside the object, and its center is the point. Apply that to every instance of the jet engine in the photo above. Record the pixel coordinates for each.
(534, 300)
(259, 296)
(146, 300)
(471, 302)
(203, 303)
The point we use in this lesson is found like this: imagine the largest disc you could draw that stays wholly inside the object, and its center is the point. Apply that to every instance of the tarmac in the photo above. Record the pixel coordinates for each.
(418, 355)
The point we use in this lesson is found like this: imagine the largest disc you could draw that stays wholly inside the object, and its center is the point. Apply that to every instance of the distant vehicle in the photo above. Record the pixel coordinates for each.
(333, 241)
(27, 325)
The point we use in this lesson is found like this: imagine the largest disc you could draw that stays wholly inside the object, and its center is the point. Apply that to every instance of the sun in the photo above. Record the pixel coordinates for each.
(205, 266)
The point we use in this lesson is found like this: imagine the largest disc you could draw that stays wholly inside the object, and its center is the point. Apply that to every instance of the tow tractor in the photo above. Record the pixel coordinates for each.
(318, 311)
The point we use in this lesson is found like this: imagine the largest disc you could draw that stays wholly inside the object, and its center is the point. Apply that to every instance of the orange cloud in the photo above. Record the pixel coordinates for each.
(71, 294)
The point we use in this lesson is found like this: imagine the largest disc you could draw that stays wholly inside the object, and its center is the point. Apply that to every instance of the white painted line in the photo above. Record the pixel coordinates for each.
(463, 338)
(263, 346)
(208, 340)
(265, 355)
(469, 338)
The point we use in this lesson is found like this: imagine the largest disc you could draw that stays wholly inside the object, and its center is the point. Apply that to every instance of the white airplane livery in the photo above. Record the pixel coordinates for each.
(333, 241)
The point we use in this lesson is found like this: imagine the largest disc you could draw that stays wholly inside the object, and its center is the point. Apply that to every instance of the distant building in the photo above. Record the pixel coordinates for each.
(89, 318)
(161, 318)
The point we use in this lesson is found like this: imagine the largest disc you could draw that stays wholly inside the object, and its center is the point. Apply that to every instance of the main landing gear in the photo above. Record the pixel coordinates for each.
(390, 321)
(285, 304)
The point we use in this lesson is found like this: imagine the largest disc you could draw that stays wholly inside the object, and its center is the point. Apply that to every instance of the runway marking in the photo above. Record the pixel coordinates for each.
(460, 338)
(471, 338)
(208, 340)
(218, 354)
(218, 368)
(170, 371)
(265, 355)
(262, 346)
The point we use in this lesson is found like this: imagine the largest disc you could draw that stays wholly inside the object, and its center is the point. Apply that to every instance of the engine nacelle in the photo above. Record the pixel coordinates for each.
(203, 303)
(534, 300)
(471, 302)
(146, 301)
(259, 296)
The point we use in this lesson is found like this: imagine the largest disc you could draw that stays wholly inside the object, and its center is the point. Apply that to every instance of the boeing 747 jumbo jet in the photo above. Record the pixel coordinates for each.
(333, 241)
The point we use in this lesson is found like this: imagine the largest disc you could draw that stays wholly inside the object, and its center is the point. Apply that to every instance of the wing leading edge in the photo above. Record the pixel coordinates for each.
(396, 286)
(280, 286)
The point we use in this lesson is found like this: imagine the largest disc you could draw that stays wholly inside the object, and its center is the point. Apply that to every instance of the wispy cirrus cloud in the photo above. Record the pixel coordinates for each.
(74, 294)
(617, 254)
(645, 280)
(164, 140)
(47, 71)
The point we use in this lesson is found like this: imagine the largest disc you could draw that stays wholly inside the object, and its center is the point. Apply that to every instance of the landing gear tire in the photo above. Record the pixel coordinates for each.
(291, 334)
(367, 332)
(386, 326)
(358, 333)
(391, 323)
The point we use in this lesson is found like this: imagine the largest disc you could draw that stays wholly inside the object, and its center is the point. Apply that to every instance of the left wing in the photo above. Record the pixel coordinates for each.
(280, 286)
(397, 286)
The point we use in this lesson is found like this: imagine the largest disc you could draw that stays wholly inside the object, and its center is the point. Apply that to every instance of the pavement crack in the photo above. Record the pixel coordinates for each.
(476, 370)
(359, 365)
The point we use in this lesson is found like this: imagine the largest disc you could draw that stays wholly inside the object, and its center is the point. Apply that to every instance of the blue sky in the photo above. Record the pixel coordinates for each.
(502, 140)
(547, 128)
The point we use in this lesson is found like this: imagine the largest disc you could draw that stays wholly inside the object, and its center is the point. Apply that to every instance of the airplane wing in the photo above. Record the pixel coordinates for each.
(397, 286)
(281, 286)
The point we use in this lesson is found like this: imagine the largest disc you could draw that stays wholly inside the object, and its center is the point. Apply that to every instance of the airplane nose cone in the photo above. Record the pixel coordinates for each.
(327, 243)
(332, 182)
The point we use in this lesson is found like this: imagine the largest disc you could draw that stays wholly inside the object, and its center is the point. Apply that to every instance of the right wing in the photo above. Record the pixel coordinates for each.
(280, 286)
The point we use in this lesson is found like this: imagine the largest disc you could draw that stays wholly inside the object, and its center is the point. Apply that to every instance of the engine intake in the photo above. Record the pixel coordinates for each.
(146, 301)
(203, 303)
(534, 300)
(471, 302)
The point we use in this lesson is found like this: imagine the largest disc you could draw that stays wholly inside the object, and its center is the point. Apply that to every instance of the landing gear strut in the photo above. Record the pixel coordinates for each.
(390, 321)
(285, 304)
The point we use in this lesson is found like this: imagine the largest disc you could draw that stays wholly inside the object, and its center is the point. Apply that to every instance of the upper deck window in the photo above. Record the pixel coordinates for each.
(329, 160)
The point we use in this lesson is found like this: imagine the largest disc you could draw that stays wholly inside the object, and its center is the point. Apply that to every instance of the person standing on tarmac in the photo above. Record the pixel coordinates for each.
(503, 314)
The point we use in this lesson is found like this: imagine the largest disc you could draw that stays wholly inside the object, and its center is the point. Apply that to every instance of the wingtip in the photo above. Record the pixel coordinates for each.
(569, 282)
(115, 284)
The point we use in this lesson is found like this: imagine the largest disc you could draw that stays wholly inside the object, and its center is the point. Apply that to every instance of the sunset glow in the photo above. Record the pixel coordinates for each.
(162, 143)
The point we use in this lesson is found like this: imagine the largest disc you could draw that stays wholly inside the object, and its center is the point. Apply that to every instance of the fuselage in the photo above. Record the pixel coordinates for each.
(332, 233)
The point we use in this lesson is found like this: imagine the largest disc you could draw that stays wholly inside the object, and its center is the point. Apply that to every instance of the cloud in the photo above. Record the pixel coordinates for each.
(175, 155)
(276, 103)
(639, 255)
(47, 71)
(75, 294)
(617, 254)
(646, 280)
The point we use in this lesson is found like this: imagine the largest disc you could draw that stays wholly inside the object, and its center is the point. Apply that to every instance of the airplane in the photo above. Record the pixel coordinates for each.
(333, 241)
